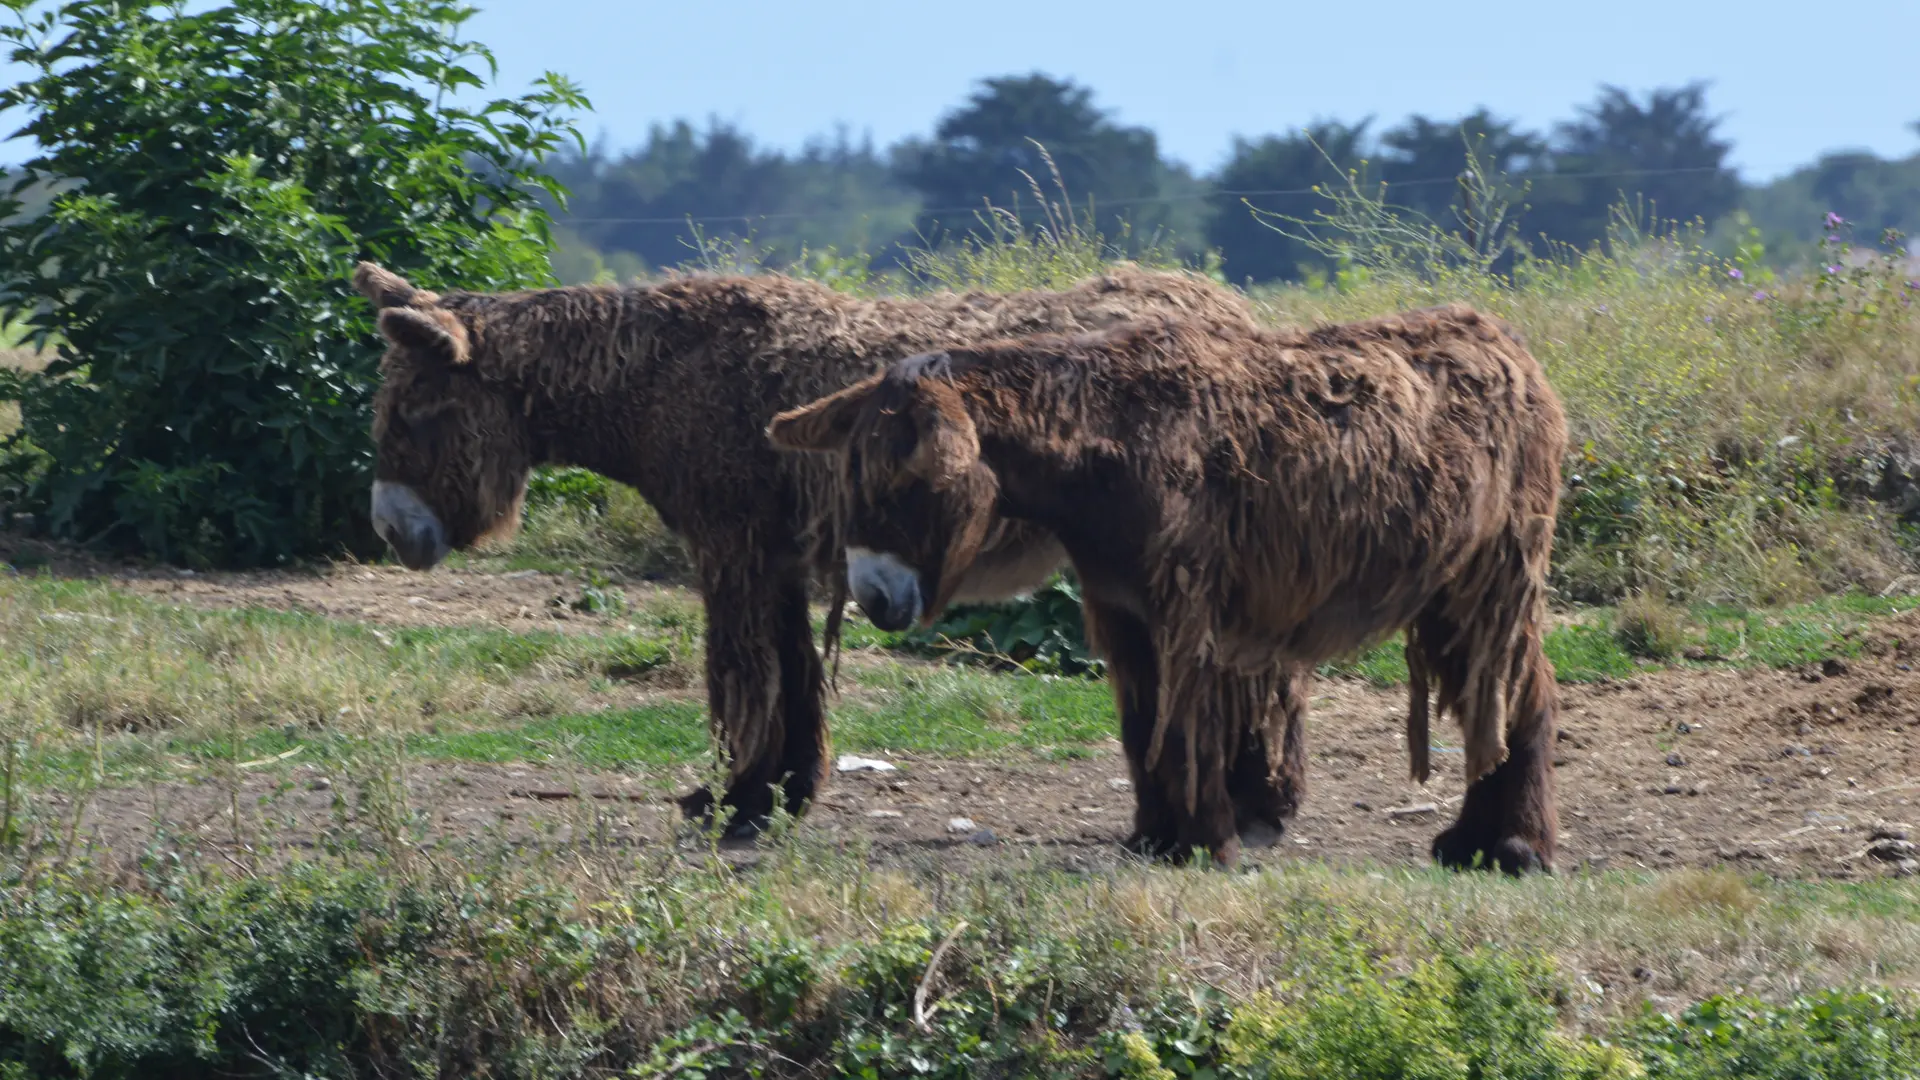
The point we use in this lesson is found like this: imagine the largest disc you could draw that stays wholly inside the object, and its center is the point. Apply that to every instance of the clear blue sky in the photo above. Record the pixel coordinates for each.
(1793, 79)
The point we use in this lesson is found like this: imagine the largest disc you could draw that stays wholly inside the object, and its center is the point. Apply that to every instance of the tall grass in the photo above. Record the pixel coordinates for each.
(1729, 428)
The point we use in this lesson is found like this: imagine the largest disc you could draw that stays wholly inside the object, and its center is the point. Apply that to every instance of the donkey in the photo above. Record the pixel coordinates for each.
(1236, 498)
(668, 388)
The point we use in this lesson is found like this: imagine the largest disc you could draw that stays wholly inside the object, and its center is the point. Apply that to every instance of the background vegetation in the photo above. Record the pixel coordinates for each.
(214, 177)
(638, 210)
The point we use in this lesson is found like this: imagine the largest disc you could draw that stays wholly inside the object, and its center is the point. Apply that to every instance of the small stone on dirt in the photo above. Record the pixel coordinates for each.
(855, 763)
(961, 825)
(1888, 830)
(1684, 728)
(1676, 760)
(1795, 750)
(1641, 974)
(1120, 783)
(1673, 789)
(983, 838)
(320, 783)
(1832, 668)
(1362, 804)
(884, 814)
(1402, 813)
(1906, 868)
(1891, 850)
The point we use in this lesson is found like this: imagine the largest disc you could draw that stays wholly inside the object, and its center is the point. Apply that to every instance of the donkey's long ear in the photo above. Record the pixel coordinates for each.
(949, 444)
(825, 425)
(382, 286)
(434, 333)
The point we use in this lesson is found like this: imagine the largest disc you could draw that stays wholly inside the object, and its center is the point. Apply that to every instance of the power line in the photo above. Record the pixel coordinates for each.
(1162, 200)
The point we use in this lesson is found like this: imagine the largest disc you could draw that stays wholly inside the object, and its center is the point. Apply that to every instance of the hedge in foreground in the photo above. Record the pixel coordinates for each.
(388, 971)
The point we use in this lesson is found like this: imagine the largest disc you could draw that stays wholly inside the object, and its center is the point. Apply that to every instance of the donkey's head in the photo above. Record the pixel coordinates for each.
(453, 451)
(922, 504)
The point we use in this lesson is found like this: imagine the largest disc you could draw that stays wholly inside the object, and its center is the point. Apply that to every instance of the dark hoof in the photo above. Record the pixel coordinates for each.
(699, 807)
(1456, 849)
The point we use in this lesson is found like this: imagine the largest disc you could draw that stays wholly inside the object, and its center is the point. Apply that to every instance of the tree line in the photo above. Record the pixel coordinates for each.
(1020, 139)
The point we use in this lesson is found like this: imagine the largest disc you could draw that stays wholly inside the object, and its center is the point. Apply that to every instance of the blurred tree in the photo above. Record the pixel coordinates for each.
(638, 206)
(1256, 175)
(1664, 151)
(979, 152)
(1872, 193)
(1422, 158)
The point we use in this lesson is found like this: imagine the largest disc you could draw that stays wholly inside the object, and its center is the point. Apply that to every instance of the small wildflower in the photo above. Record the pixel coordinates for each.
(1834, 220)
(1735, 274)
(1759, 294)
(1833, 269)
(1709, 320)
(1913, 285)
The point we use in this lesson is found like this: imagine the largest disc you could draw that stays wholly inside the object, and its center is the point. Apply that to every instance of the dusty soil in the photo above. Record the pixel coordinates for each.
(383, 594)
(1787, 772)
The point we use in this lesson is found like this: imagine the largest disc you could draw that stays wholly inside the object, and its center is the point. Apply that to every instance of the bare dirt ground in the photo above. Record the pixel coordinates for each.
(1792, 773)
(387, 595)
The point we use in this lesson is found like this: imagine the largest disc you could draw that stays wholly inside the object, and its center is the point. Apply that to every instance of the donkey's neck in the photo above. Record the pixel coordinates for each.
(575, 360)
(1052, 468)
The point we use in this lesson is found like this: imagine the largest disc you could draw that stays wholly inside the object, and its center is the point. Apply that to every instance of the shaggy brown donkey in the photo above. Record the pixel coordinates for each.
(1233, 498)
(668, 388)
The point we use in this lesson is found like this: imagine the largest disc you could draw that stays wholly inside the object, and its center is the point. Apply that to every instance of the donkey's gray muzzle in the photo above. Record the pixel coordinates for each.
(408, 525)
(887, 589)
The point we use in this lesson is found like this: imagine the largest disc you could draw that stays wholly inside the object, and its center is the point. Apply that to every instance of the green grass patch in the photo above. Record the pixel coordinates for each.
(611, 739)
(956, 711)
(1593, 648)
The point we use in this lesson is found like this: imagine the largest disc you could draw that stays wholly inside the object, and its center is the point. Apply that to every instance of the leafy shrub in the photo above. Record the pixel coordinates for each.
(1831, 1034)
(1044, 632)
(219, 173)
(370, 969)
(549, 489)
(1481, 1015)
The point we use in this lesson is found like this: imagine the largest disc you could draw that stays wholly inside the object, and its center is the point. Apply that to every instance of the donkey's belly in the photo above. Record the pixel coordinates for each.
(1343, 623)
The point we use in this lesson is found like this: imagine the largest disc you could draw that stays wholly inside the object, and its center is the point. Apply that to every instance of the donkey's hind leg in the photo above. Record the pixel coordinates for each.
(1268, 777)
(1508, 820)
(1481, 643)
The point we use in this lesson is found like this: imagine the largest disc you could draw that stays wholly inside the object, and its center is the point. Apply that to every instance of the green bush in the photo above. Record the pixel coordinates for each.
(219, 175)
(376, 970)
(1833, 1034)
(1043, 633)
